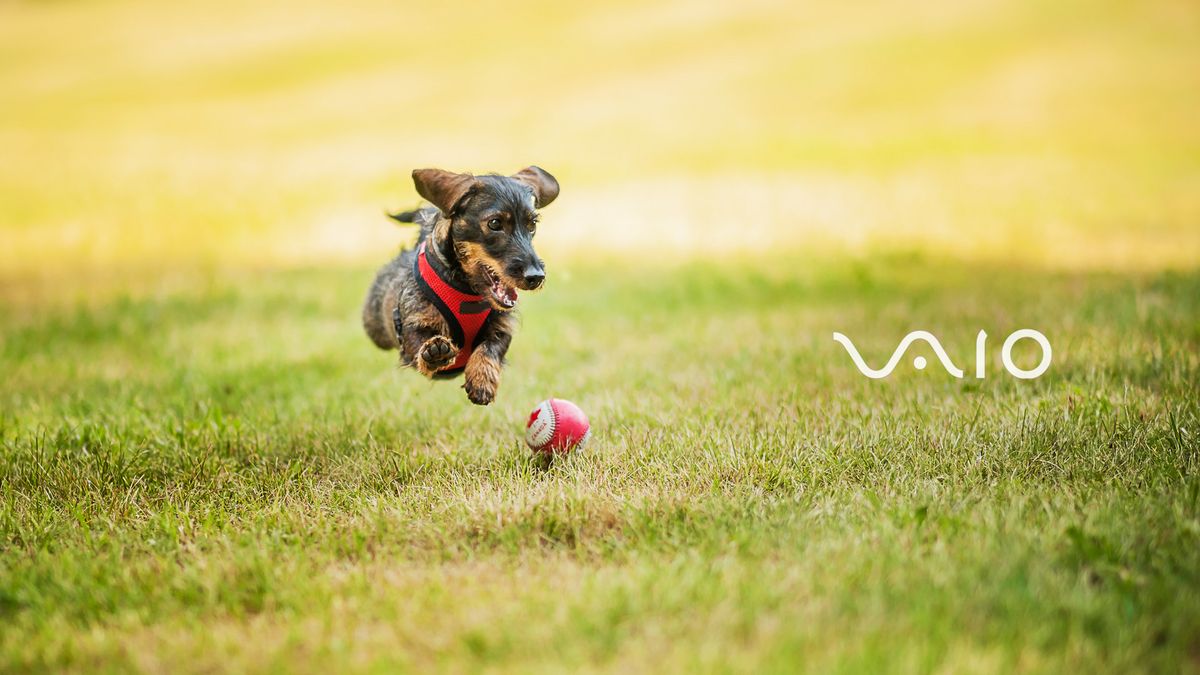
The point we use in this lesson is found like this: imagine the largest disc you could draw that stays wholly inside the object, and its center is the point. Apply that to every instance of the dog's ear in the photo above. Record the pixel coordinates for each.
(545, 188)
(443, 189)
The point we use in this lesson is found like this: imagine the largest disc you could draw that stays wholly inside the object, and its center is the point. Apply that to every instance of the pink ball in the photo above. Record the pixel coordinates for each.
(556, 426)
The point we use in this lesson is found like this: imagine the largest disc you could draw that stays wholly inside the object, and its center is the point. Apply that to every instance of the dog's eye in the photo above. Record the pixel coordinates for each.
(495, 224)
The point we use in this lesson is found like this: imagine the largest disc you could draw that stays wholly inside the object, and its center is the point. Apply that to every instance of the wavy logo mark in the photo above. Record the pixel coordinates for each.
(980, 359)
(919, 362)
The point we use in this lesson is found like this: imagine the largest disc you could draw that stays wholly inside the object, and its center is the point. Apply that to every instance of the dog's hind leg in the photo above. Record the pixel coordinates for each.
(377, 309)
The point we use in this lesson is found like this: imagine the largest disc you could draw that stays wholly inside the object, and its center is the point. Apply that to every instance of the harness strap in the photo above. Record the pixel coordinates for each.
(465, 312)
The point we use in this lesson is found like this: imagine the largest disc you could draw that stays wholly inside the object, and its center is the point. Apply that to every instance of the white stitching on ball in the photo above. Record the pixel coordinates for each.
(541, 432)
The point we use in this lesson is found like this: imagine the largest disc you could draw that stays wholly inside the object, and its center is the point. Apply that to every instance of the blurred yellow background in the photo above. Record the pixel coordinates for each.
(148, 135)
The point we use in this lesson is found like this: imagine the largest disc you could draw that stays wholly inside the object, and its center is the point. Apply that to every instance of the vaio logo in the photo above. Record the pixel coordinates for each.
(980, 361)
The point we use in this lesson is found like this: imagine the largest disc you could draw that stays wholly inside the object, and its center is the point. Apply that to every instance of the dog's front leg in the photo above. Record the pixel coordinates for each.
(483, 368)
(424, 346)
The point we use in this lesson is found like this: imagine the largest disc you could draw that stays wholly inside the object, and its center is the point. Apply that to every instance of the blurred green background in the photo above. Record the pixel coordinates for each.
(144, 135)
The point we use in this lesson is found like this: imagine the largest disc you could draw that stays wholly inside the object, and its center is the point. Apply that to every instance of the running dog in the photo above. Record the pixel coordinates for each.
(448, 303)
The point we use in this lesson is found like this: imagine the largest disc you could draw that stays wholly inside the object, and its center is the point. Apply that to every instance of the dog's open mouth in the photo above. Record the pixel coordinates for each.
(504, 295)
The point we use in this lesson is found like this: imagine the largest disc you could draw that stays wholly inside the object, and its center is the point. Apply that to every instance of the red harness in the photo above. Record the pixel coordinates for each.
(465, 312)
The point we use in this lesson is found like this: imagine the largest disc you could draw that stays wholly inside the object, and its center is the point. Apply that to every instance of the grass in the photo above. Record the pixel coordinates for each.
(205, 466)
(230, 477)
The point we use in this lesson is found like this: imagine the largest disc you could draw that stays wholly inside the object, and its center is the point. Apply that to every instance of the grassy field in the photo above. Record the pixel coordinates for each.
(230, 477)
(205, 466)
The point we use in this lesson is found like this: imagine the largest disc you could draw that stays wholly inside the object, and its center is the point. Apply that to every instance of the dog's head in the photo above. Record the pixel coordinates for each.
(491, 223)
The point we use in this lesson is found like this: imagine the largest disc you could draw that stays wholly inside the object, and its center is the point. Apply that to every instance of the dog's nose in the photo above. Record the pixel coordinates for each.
(534, 276)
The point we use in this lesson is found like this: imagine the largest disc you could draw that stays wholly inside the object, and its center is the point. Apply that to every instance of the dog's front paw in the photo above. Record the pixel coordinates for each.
(482, 378)
(436, 353)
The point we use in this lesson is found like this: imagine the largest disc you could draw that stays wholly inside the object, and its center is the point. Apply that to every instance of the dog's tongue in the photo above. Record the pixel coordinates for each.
(511, 295)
